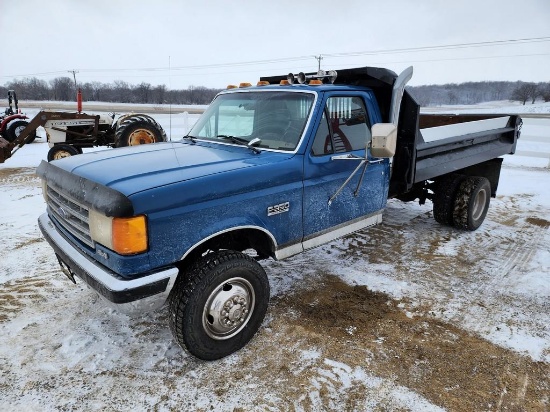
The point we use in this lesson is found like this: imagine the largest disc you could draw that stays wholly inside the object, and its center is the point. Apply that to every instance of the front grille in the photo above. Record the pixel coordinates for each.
(70, 214)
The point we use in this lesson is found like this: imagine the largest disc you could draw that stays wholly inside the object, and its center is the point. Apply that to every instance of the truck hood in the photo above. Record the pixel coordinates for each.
(139, 168)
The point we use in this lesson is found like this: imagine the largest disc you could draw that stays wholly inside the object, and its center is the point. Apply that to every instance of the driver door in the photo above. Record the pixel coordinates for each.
(343, 130)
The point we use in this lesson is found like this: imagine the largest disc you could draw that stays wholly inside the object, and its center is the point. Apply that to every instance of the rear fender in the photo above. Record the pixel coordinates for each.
(8, 119)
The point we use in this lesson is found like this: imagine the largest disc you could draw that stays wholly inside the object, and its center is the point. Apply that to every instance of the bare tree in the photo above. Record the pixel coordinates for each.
(159, 94)
(545, 92)
(534, 92)
(523, 92)
(143, 91)
(62, 88)
(123, 91)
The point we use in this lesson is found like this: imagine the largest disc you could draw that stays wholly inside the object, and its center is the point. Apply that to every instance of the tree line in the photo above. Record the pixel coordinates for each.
(63, 89)
(479, 92)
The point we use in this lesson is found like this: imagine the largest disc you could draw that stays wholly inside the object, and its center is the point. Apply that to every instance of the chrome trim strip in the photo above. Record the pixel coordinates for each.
(289, 251)
(314, 241)
(371, 220)
(327, 236)
(232, 229)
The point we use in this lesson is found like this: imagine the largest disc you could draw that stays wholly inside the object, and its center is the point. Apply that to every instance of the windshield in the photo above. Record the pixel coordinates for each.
(276, 118)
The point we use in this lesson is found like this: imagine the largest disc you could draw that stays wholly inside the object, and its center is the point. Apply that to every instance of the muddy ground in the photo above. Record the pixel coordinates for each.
(424, 340)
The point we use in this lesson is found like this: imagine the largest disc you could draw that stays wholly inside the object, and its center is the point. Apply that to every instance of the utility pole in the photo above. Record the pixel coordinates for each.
(74, 72)
(78, 92)
(319, 58)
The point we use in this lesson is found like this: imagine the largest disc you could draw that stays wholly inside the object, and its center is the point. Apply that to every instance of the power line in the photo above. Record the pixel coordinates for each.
(305, 58)
(445, 47)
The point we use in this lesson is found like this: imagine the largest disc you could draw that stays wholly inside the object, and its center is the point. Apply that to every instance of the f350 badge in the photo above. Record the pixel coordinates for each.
(278, 209)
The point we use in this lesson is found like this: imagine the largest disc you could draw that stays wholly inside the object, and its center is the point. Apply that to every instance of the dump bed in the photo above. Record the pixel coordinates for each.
(433, 145)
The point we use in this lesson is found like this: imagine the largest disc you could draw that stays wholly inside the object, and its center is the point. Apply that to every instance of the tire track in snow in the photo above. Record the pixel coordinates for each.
(19, 176)
(505, 266)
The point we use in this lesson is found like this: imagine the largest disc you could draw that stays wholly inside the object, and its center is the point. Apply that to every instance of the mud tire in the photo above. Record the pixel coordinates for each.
(14, 129)
(444, 198)
(60, 151)
(471, 203)
(138, 129)
(215, 281)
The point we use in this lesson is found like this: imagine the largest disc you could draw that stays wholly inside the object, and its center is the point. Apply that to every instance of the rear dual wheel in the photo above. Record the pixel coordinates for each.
(471, 203)
(462, 201)
(444, 198)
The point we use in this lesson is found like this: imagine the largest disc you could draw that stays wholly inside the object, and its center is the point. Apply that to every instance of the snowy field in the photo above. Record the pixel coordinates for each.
(405, 316)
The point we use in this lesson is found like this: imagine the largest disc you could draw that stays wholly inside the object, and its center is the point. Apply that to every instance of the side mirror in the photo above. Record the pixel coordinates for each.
(384, 140)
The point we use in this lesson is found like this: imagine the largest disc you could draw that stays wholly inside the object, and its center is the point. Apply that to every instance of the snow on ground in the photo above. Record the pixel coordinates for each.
(408, 315)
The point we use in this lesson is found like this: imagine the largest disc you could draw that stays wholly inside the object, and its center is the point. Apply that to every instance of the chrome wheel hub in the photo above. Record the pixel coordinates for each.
(479, 204)
(228, 309)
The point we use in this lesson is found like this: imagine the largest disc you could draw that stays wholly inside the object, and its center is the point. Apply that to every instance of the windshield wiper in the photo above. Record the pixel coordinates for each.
(191, 138)
(243, 142)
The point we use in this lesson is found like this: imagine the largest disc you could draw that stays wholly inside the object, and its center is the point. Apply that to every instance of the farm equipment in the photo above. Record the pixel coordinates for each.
(69, 132)
(12, 122)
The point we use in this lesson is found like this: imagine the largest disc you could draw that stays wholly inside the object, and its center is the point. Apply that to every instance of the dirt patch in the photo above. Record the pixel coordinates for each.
(15, 295)
(444, 364)
(538, 222)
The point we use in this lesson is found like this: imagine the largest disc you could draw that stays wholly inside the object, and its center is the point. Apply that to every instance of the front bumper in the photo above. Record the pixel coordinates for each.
(145, 293)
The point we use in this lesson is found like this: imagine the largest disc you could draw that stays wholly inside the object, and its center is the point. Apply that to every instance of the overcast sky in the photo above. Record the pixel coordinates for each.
(215, 43)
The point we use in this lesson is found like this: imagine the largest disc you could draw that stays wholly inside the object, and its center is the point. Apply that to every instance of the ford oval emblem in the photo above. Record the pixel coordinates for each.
(63, 213)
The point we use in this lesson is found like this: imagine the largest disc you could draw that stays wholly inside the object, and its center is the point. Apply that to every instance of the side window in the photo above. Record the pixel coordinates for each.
(348, 126)
(323, 142)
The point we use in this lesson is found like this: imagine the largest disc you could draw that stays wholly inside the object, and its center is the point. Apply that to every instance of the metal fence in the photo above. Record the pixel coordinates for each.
(541, 135)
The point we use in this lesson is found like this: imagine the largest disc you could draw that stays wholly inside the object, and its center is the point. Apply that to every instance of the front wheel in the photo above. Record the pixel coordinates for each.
(219, 304)
(59, 151)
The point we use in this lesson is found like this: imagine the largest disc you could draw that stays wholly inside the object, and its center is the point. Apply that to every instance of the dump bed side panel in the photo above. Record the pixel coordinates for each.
(458, 151)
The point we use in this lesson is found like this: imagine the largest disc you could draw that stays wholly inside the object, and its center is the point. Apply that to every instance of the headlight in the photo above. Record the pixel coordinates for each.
(124, 235)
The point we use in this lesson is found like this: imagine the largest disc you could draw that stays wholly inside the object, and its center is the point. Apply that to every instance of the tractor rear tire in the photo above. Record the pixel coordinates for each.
(59, 151)
(444, 198)
(471, 203)
(138, 129)
(14, 129)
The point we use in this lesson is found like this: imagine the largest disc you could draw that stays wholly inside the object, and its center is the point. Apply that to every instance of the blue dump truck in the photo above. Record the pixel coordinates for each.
(268, 171)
